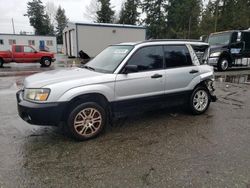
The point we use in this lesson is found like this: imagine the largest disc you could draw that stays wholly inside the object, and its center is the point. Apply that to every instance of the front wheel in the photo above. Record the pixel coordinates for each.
(46, 62)
(199, 100)
(86, 121)
(223, 64)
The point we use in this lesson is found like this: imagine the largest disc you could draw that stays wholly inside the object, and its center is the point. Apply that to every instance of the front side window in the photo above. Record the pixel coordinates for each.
(177, 56)
(28, 49)
(110, 58)
(148, 58)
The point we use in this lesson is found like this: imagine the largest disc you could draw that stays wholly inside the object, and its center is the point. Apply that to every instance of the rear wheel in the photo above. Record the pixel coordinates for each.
(86, 121)
(46, 62)
(1, 62)
(199, 100)
(223, 64)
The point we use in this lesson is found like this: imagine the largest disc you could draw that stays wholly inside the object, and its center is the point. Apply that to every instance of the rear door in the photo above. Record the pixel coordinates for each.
(142, 88)
(246, 46)
(180, 70)
(17, 53)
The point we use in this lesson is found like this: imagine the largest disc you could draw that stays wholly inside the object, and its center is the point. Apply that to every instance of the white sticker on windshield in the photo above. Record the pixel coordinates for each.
(121, 51)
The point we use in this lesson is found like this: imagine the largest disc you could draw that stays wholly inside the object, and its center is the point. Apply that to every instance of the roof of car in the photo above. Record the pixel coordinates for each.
(167, 41)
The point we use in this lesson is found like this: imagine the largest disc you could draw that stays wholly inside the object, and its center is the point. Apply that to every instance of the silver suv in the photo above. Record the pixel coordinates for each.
(123, 79)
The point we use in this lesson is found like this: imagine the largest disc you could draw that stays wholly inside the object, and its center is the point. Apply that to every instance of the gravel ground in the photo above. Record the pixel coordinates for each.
(158, 149)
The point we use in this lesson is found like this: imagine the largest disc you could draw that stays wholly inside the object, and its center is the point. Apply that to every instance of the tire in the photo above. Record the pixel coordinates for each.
(223, 64)
(1, 62)
(46, 61)
(86, 121)
(199, 100)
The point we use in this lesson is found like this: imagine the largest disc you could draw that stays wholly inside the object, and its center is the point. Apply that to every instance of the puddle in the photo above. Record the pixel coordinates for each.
(236, 79)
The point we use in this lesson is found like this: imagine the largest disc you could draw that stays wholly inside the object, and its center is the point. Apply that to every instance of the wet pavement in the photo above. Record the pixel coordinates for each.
(157, 149)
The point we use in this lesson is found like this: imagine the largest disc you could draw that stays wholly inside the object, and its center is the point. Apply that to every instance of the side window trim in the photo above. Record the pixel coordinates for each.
(162, 49)
(185, 46)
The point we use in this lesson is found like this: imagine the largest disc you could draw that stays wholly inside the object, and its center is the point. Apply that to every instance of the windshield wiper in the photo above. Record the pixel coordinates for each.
(88, 67)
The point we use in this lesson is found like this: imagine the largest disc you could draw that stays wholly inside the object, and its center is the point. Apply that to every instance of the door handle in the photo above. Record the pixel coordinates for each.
(193, 71)
(156, 76)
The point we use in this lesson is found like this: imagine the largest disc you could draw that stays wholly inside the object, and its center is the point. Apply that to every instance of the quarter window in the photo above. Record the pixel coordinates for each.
(1, 42)
(148, 58)
(177, 56)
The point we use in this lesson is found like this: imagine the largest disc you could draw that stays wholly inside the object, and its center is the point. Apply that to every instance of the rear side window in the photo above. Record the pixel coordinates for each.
(246, 39)
(177, 56)
(148, 58)
(18, 48)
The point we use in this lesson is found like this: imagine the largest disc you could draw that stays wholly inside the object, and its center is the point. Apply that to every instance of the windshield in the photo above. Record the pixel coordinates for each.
(219, 39)
(109, 59)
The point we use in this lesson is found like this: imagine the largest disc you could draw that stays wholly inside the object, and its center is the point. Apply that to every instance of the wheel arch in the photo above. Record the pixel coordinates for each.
(45, 57)
(226, 55)
(99, 98)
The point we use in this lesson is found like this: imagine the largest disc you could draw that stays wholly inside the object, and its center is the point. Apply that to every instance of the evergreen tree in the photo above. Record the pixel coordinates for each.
(208, 19)
(242, 14)
(61, 21)
(155, 20)
(183, 18)
(105, 14)
(129, 13)
(38, 18)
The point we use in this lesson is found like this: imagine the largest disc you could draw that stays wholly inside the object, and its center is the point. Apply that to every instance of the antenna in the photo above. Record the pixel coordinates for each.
(13, 26)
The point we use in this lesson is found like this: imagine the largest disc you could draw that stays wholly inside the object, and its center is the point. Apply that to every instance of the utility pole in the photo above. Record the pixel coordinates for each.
(189, 27)
(13, 26)
(216, 16)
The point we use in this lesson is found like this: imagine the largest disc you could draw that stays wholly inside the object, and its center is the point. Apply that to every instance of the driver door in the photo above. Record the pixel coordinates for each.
(30, 54)
(143, 88)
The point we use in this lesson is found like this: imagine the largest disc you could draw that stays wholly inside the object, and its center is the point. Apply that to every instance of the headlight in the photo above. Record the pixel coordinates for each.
(215, 54)
(36, 94)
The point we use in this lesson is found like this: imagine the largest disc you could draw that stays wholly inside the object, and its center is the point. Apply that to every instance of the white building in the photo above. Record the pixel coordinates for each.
(92, 38)
(37, 41)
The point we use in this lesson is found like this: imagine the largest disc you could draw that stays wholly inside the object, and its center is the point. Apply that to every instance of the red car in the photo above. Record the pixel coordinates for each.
(26, 54)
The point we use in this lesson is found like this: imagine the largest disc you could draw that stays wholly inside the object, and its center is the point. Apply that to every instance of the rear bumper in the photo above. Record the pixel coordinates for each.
(53, 59)
(40, 113)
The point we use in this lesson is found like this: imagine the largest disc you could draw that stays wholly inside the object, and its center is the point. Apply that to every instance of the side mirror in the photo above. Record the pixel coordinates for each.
(35, 52)
(130, 68)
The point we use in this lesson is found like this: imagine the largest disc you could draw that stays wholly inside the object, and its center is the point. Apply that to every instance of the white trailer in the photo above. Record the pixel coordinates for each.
(38, 42)
(92, 38)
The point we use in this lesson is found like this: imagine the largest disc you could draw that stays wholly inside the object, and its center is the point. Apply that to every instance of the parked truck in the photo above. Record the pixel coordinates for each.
(26, 54)
(229, 49)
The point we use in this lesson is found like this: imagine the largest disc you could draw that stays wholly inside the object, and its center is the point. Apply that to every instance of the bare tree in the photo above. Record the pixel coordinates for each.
(91, 10)
(51, 9)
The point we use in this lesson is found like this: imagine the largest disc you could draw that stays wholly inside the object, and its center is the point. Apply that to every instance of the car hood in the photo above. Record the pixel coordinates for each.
(217, 48)
(57, 76)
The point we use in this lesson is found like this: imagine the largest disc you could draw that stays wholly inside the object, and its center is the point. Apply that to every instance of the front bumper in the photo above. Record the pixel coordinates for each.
(40, 113)
(213, 61)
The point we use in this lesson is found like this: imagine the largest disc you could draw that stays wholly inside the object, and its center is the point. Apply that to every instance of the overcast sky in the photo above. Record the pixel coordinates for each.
(17, 8)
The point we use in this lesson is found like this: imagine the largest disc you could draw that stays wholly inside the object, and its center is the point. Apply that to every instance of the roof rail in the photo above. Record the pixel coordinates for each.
(161, 40)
